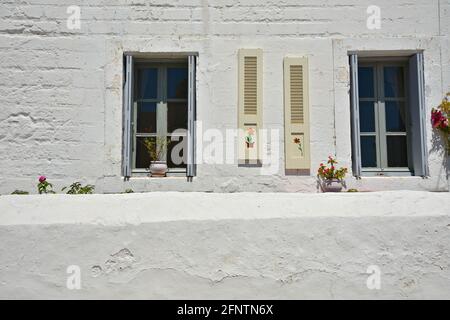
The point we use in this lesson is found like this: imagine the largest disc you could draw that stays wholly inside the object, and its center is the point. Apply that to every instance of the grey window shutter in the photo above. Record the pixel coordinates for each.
(418, 115)
(128, 106)
(354, 101)
(191, 167)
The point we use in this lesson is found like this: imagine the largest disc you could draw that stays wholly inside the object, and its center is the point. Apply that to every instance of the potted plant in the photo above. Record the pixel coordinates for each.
(156, 148)
(330, 178)
(250, 138)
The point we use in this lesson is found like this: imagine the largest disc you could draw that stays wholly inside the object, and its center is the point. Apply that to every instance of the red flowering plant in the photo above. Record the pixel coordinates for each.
(44, 186)
(440, 119)
(330, 172)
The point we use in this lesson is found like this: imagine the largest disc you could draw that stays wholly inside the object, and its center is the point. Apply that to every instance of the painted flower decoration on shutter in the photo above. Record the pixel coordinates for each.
(298, 142)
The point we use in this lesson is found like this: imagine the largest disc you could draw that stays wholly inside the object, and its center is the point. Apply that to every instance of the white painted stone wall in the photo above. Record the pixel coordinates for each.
(61, 96)
(226, 246)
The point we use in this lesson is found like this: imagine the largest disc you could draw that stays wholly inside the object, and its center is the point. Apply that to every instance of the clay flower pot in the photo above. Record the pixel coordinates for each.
(158, 168)
(332, 185)
(250, 144)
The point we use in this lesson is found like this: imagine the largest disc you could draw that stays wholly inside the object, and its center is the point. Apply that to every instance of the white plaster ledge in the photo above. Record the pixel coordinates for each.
(138, 208)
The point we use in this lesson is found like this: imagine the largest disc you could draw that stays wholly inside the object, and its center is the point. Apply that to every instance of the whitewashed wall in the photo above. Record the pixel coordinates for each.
(60, 89)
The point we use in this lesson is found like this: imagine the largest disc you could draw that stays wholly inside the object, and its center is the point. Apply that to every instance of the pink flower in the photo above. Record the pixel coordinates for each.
(42, 179)
(437, 119)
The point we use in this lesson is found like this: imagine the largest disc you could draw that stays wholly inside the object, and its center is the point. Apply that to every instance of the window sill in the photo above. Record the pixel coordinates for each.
(390, 175)
(392, 172)
(172, 177)
(170, 174)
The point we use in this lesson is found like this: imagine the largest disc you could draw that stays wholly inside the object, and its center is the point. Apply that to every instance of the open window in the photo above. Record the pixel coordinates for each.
(159, 106)
(388, 116)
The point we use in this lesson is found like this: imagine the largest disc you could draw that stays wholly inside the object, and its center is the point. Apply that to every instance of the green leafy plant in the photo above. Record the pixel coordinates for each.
(21, 192)
(330, 172)
(77, 188)
(44, 186)
(156, 147)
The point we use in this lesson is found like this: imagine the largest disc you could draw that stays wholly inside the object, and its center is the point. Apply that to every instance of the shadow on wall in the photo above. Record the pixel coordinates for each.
(438, 146)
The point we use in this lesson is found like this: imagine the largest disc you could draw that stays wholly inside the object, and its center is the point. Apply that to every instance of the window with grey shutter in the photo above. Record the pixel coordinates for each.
(388, 116)
(159, 102)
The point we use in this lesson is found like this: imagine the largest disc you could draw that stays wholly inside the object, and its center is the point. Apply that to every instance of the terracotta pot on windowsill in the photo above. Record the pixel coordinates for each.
(158, 168)
(250, 144)
(331, 185)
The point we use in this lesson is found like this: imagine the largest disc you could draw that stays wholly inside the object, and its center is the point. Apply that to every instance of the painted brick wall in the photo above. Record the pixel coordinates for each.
(61, 96)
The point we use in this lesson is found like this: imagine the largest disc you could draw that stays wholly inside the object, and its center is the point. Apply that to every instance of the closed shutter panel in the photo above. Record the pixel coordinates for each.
(296, 117)
(354, 101)
(127, 116)
(418, 115)
(250, 105)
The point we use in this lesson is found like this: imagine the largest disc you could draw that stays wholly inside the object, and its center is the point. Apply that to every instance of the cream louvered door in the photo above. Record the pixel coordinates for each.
(296, 111)
(250, 105)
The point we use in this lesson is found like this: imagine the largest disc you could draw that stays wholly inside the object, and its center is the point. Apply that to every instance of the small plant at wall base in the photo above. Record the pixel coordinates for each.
(330, 178)
(44, 186)
(440, 118)
(21, 192)
(77, 188)
(156, 148)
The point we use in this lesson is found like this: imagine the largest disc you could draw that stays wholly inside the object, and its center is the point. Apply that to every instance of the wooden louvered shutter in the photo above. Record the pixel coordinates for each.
(418, 115)
(296, 114)
(250, 105)
(191, 170)
(354, 95)
(127, 116)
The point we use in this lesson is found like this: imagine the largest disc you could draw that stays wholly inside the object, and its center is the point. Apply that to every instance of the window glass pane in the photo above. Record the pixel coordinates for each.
(177, 153)
(395, 116)
(366, 116)
(147, 83)
(397, 151)
(393, 82)
(177, 83)
(142, 156)
(368, 152)
(176, 116)
(146, 117)
(365, 82)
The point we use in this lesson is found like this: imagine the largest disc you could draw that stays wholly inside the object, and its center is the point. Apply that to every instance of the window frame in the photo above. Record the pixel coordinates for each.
(162, 66)
(379, 100)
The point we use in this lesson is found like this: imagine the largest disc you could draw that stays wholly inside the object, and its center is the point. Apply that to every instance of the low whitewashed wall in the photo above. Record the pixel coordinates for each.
(246, 245)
